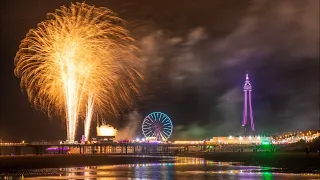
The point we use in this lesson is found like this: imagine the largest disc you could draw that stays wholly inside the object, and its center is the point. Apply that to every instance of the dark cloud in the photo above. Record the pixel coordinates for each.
(272, 40)
(287, 27)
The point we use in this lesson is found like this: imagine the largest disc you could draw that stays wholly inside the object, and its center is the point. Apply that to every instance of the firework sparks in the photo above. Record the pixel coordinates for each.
(81, 56)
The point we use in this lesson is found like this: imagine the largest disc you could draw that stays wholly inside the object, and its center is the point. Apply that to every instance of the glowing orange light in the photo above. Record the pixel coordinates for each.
(106, 130)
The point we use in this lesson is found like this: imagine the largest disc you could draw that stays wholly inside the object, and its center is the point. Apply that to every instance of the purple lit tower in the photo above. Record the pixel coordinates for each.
(247, 88)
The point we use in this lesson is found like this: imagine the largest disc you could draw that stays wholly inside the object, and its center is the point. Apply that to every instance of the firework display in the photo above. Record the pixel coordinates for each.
(79, 62)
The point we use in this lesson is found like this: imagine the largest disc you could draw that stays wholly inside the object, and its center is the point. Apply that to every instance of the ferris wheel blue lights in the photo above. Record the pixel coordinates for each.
(157, 125)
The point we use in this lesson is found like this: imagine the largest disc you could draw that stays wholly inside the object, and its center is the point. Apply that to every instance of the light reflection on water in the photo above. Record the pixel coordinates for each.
(181, 168)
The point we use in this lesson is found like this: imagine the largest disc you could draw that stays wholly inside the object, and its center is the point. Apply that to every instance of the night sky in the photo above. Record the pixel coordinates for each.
(196, 54)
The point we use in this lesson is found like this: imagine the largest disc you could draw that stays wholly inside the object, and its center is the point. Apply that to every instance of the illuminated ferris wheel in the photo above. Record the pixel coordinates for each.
(157, 125)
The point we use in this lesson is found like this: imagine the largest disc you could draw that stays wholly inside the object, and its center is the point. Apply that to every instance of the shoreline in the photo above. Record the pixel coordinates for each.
(295, 162)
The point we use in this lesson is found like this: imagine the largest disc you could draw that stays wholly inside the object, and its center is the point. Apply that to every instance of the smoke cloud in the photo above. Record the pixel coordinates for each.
(133, 127)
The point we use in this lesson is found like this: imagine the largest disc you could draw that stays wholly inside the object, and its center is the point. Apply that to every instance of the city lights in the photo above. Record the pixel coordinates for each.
(288, 138)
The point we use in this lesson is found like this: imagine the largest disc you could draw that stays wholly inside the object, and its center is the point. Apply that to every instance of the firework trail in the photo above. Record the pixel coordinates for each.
(89, 114)
(80, 57)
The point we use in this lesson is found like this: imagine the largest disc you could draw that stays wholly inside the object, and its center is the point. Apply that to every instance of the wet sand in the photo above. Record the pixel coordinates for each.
(295, 162)
(9, 163)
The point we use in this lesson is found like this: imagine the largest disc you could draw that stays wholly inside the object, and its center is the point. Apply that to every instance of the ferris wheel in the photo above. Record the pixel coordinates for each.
(157, 125)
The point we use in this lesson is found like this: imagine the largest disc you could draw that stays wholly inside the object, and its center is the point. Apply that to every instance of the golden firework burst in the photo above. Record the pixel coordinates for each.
(78, 60)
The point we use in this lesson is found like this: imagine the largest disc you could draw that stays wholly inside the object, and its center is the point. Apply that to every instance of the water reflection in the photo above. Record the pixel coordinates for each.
(177, 168)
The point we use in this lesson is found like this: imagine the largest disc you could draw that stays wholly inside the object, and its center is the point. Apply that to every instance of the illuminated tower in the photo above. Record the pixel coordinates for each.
(247, 99)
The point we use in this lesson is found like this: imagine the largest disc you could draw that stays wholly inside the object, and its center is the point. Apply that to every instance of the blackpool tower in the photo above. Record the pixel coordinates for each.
(247, 88)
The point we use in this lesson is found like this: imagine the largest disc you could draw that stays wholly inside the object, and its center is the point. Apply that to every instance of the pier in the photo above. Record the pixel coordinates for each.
(118, 148)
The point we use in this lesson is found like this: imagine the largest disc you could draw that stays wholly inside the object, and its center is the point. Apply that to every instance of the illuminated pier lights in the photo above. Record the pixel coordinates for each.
(247, 88)
(241, 140)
